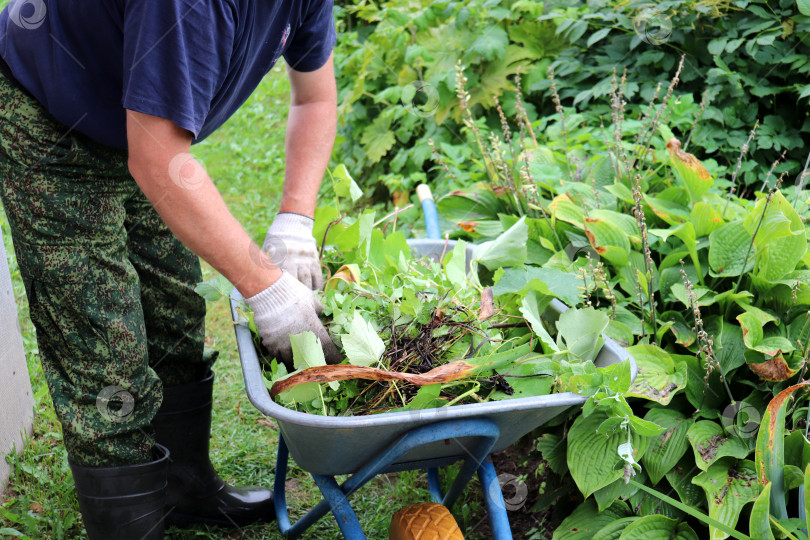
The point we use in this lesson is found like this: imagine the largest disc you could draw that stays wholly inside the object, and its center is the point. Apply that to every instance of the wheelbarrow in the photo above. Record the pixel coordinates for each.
(365, 446)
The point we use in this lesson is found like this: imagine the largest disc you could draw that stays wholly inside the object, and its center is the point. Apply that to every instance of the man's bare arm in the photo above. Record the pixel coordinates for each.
(311, 128)
(187, 200)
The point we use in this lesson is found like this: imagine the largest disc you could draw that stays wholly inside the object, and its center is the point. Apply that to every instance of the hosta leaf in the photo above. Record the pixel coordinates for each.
(670, 212)
(592, 458)
(509, 249)
(668, 448)
(581, 331)
(690, 170)
(680, 478)
(770, 449)
(531, 309)
(759, 524)
(362, 345)
(613, 531)
(553, 448)
(710, 443)
(780, 241)
(774, 368)
(657, 526)
(659, 378)
(729, 486)
(728, 246)
(608, 240)
(705, 218)
(585, 520)
(563, 285)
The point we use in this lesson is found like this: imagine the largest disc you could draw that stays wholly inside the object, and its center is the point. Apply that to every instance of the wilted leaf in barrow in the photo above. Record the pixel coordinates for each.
(509, 249)
(362, 345)
(581, 331)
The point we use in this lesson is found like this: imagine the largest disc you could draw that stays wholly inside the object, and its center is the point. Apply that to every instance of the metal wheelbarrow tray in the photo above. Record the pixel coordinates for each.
(335, 445)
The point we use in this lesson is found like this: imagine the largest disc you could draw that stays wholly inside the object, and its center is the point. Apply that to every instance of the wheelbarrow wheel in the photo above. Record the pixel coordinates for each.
(424, 521)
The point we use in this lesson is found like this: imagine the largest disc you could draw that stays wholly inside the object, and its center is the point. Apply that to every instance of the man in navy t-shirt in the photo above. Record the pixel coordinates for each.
(100, 101)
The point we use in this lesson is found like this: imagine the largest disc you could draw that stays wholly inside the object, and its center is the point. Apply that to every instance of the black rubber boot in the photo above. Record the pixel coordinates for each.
(124, 503)
(196, 494)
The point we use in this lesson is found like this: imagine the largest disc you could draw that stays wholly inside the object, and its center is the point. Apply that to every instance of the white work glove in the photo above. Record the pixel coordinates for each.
(289, 307)
(290, 245)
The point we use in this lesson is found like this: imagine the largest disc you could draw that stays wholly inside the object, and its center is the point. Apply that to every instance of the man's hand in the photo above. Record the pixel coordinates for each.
(289, 244)
(288, 307)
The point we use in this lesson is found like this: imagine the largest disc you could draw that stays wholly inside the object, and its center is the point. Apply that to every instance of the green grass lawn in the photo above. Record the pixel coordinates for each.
(246, 160)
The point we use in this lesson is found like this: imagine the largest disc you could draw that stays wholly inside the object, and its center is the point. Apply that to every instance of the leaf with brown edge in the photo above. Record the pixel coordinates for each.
(674, 148)
(350, 273)
(468, 226)
(773, 369)
(321, 374)
(770, 449)
(694, 176)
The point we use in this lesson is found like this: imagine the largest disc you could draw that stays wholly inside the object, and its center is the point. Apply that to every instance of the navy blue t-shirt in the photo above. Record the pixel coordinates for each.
(193, 62)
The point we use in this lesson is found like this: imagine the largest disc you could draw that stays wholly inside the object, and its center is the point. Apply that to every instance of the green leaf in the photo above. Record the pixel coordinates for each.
(770, 449)
(690, 175)
(214, 288)
(710, 443)
(307, 352)
(723, 529)
(344, 185)
(659, 377)
(553, 448)
(585, 520)
(565, 209)
(426, 397)
(728, 246)
(705, 218)
(455, 267)
(377, 138)
(804, 9)
(592, 458)
(657, 526)
(491, 43)
(612, 531)
(530, 309)
(581, 331)
(669, 447)
(728, 489)
(759, 524)
(807, 496)
(362, 345)
(563, 285)
(509, 249)
(780, 241)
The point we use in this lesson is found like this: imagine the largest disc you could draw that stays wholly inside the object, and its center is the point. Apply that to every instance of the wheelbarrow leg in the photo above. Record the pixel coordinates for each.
(341, 509)
(280, 499)
(493, 500)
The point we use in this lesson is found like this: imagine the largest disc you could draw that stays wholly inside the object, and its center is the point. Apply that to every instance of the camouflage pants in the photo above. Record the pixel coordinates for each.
(110, 288)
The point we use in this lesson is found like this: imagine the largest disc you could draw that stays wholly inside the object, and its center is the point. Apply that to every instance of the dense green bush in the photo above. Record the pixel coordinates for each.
(745, 59)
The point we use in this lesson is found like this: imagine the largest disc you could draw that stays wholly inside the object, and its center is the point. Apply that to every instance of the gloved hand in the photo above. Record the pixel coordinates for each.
(289, 307)
(290, 245)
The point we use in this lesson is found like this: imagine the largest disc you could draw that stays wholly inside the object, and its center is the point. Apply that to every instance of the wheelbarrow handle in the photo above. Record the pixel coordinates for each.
(429, 209)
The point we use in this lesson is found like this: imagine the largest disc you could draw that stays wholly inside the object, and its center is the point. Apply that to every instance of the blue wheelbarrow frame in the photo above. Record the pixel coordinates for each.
(364, 446)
